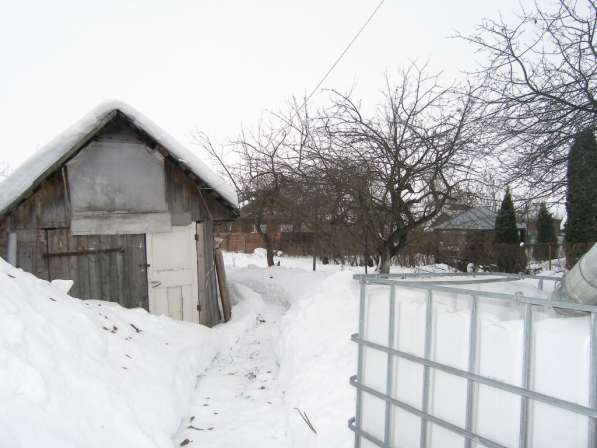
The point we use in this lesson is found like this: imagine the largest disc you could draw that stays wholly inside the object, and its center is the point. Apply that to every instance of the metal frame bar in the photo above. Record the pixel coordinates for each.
(592, 438)
(405, 275)
(473, 378)
(390, 367)
(488, 295)
(424, 417)
(426, 369)
(472, 367)
(363, 293)
(526, 375)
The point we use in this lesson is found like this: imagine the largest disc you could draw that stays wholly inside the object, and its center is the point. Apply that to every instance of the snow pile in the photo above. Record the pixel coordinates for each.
(317, 358)
(312, 346)
(93, 374)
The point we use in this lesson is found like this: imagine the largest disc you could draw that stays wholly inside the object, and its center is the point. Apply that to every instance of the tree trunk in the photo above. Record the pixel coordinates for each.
(385, 259)
(269, 248)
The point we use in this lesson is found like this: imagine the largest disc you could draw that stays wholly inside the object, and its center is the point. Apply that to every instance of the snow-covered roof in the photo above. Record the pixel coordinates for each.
(476, 218)
(39, 165)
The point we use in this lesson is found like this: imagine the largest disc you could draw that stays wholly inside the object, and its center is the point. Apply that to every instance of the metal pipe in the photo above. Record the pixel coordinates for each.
(426, 369)
(526, 375)
(580, 283)
(390, 367)
(592, 438)
(472, 367)
(359, 400)
(417, 275)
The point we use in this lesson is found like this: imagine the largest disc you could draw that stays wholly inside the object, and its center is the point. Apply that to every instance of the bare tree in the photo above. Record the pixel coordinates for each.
(262, 172)
(398, 165)
(539, 79)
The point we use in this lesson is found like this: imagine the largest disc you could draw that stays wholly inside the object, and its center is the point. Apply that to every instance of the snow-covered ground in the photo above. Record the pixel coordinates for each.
(92, 374)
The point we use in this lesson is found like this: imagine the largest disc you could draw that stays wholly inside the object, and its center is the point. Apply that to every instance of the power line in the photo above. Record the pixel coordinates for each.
(356, 36)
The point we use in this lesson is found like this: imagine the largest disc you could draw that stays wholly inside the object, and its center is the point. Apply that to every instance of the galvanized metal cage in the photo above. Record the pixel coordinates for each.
(432, 285)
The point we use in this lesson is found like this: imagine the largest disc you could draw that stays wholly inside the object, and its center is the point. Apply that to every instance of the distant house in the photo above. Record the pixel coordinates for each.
(122, 209)
(468, 235)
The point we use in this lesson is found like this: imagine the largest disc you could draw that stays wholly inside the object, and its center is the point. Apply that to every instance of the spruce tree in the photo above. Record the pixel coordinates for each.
(581, 199)
(546, 233)
(509, 255)
(505, 222)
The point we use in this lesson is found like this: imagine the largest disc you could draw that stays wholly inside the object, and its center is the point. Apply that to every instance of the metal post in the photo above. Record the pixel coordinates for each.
(426, 369)
(359, 414)
(390, 371)
(472, 367)
(592, 439)
(526, 374)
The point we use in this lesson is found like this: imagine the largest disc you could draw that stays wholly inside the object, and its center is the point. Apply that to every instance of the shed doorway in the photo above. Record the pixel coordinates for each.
(172, 273)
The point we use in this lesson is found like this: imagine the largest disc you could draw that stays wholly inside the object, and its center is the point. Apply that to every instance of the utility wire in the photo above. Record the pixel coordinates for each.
(356, 36)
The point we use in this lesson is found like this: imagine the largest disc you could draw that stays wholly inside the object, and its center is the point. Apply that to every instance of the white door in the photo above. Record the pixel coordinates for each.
(172, 273)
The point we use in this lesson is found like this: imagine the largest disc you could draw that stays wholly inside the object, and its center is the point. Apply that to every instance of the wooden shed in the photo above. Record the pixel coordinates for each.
(122, 209)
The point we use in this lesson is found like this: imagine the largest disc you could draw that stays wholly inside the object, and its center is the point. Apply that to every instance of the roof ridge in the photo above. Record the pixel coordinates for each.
(42, 162)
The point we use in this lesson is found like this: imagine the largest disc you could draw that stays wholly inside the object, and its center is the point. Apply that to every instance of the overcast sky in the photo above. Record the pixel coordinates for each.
(209, 65)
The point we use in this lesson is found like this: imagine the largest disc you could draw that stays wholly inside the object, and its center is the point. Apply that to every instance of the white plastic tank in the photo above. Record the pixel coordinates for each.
(580, 283)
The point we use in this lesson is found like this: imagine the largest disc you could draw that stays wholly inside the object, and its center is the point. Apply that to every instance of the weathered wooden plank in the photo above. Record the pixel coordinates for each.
(111, 248)
(136, 271)
(45, 208)
(40, 264)
(72, 252)
(82, 280)
(184, 202)
(118, 271)
(103, 268)
(54, 270)
(202, 275)
(142, 273)
(223, 285)
(95, 274)
(213, 312)
(25, 249)
(73, 267)
(4, 231)
(59, 267)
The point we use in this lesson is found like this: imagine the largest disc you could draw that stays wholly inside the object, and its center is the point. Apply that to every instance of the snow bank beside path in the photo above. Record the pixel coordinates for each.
(90, 373)
(317, 358)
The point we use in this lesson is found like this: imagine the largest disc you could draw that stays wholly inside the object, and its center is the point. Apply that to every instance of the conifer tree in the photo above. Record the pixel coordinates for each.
(581, 199)
(509, 255)
(505, 222)
(546, 233)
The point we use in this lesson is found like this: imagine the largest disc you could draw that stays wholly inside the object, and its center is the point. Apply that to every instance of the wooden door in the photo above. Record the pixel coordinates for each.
(172, 273)
(103, 267)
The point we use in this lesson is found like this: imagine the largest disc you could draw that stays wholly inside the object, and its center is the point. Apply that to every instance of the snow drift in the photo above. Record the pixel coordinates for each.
(90, 373)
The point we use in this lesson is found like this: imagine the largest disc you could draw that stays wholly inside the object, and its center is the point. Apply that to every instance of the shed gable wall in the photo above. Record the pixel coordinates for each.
(112, 265)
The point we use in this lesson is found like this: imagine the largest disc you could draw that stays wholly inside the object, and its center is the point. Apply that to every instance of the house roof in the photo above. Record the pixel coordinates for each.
(44, 161)
(476, 218)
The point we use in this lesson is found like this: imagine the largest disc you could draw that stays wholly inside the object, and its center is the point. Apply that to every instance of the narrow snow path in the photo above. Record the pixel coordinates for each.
(237, 402)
